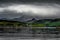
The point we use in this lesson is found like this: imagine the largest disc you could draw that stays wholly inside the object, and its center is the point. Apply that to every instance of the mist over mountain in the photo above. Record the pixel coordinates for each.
(24, 10)
(30, 18)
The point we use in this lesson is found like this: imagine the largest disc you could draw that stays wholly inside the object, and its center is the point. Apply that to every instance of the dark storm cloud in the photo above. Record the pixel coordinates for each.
(30, 0)
(37, 11)
(44, 9)
(9, 15)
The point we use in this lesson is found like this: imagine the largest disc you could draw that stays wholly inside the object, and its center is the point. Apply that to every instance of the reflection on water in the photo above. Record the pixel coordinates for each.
(30, 32)
(28, 39)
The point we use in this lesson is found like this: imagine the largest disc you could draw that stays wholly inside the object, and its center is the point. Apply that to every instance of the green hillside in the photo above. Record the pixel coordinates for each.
(36, 23)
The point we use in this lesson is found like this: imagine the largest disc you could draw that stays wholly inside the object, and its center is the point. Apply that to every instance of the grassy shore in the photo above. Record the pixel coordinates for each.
(36, 23)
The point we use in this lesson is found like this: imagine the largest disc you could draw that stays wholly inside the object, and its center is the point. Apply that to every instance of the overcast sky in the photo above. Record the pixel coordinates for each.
(34, 8)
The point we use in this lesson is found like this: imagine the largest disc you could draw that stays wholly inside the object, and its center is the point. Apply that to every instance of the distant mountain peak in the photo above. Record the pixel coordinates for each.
(33, 19)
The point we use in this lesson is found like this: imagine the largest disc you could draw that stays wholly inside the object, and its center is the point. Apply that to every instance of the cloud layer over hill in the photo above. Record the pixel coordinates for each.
(41, 10)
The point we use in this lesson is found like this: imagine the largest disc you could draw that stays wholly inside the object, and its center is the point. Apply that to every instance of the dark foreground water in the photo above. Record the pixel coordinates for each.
(28, 39)
(29, 34)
